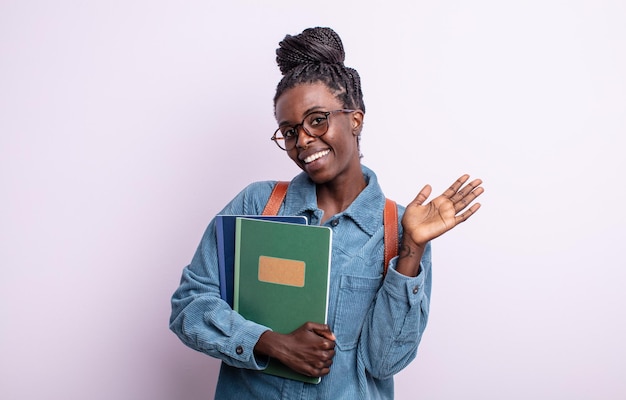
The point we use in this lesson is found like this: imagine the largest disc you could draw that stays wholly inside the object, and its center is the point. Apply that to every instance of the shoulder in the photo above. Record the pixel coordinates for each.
(259, 188)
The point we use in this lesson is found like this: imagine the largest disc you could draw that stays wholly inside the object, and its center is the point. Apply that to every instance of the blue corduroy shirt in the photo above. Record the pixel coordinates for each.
(378, 322)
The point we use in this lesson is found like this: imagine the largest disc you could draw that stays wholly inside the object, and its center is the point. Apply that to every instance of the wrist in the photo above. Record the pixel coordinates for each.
(267, 343)
(409, 257)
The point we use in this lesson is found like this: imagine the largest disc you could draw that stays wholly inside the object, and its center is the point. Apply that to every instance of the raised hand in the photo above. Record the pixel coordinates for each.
(424, 222)
(308, 350)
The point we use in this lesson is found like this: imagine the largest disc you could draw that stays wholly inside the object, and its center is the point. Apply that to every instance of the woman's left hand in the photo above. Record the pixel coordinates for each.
(424, 222)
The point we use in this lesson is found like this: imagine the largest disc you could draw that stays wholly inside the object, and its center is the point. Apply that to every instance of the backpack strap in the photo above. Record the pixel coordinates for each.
(390, 223)
(390, 219)
(276, 198)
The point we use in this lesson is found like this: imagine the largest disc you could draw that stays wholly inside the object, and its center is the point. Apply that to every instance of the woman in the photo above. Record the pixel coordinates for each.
(375, 321)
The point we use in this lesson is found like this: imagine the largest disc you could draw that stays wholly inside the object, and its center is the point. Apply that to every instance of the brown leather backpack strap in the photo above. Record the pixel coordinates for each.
(276, 198)
(390, 222)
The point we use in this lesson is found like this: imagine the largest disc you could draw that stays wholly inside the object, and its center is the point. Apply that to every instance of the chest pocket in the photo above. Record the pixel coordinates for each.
(356, 297)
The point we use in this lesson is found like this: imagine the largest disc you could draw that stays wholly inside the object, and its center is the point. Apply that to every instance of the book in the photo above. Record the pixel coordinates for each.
(225, 233)
(282, 275)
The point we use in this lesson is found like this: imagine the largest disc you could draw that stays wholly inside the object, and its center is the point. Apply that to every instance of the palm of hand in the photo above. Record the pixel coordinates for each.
(424, 222)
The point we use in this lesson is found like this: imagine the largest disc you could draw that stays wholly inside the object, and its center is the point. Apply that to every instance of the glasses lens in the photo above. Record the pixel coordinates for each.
(316, 124)
(286, 137)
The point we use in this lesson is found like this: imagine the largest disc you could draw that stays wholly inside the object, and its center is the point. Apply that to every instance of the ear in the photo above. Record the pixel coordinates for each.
(357, 122)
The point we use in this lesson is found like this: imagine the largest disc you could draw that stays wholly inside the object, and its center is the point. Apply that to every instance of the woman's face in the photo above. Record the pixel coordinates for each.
(336, 153)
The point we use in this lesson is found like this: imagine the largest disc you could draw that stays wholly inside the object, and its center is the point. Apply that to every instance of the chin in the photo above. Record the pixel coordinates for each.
(318, 178)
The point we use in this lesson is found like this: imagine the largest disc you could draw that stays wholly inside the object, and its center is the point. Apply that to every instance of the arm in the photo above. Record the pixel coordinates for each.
(200, 318)
(205, 322)
(402, 303)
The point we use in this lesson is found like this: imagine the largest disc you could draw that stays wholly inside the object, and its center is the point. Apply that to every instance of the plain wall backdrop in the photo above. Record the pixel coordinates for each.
(125, 126)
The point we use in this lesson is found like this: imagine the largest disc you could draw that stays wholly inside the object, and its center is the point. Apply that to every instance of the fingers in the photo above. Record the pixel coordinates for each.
(467, 194)
(465, 215)
(422, 195)
(461, 196)
(316, 356)
(452, 190)
(321, 366)
(321, 330)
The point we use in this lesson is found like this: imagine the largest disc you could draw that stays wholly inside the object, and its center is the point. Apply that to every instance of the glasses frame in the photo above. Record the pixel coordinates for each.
(279, 140)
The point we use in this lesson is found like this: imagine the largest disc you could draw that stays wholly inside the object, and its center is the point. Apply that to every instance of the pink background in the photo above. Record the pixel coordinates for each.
(126, 125)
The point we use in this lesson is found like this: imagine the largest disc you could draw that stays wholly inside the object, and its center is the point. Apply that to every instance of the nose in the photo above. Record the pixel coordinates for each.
(303, 138)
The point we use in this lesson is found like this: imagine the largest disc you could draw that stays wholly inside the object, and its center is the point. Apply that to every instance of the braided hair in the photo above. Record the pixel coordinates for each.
(317, 55)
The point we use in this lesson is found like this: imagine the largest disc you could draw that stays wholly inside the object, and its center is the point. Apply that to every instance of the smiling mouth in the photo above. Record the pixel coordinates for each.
(315, 156)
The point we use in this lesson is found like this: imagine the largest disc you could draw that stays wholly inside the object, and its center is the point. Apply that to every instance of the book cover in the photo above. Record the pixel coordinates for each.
(282, 274)
(225, 233)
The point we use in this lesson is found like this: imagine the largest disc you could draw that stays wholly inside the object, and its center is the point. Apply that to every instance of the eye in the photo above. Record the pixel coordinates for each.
(316, 120)
(289, 133)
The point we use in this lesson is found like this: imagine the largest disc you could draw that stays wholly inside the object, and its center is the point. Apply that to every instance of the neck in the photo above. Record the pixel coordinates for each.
(334, 197)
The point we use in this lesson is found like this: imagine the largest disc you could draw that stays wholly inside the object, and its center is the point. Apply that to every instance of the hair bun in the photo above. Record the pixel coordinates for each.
(312, 46)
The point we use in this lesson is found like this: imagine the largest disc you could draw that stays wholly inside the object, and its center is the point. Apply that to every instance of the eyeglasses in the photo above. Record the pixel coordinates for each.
(314, 124)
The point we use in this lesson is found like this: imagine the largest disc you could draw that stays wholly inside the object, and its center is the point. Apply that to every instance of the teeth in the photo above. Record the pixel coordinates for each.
(315, 156)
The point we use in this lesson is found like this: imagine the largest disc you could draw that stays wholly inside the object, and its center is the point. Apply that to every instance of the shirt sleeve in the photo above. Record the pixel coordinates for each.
(200, 318)
(394, 326)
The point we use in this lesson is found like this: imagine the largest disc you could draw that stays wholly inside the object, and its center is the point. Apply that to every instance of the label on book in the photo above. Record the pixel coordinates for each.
(281, 271)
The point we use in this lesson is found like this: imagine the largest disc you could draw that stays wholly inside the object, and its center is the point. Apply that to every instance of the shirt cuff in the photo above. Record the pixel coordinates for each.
(241, 346)
(402, 287)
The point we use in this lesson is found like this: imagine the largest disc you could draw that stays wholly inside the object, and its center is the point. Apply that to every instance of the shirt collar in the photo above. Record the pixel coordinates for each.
(366, 210)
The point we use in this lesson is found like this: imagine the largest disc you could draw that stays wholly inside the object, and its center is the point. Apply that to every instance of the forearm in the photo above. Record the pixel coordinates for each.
(207, 324)
(409, 257)
(200, 318)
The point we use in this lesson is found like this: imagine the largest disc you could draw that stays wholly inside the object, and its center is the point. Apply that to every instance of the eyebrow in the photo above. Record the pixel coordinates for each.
(306, 112)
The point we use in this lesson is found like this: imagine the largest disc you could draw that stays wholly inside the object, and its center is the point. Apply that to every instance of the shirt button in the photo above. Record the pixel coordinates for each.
(416, 289)
(239, 350)
(334, 222)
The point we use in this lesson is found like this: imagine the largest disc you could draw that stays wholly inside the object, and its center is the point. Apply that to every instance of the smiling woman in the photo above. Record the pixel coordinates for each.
(375, 320)
(333, 157)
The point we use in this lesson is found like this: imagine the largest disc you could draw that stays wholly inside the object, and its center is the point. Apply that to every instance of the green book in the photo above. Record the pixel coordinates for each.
(282, 274)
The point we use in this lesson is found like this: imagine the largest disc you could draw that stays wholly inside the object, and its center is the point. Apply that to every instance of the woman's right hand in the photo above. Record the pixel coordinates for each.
(308, 350)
